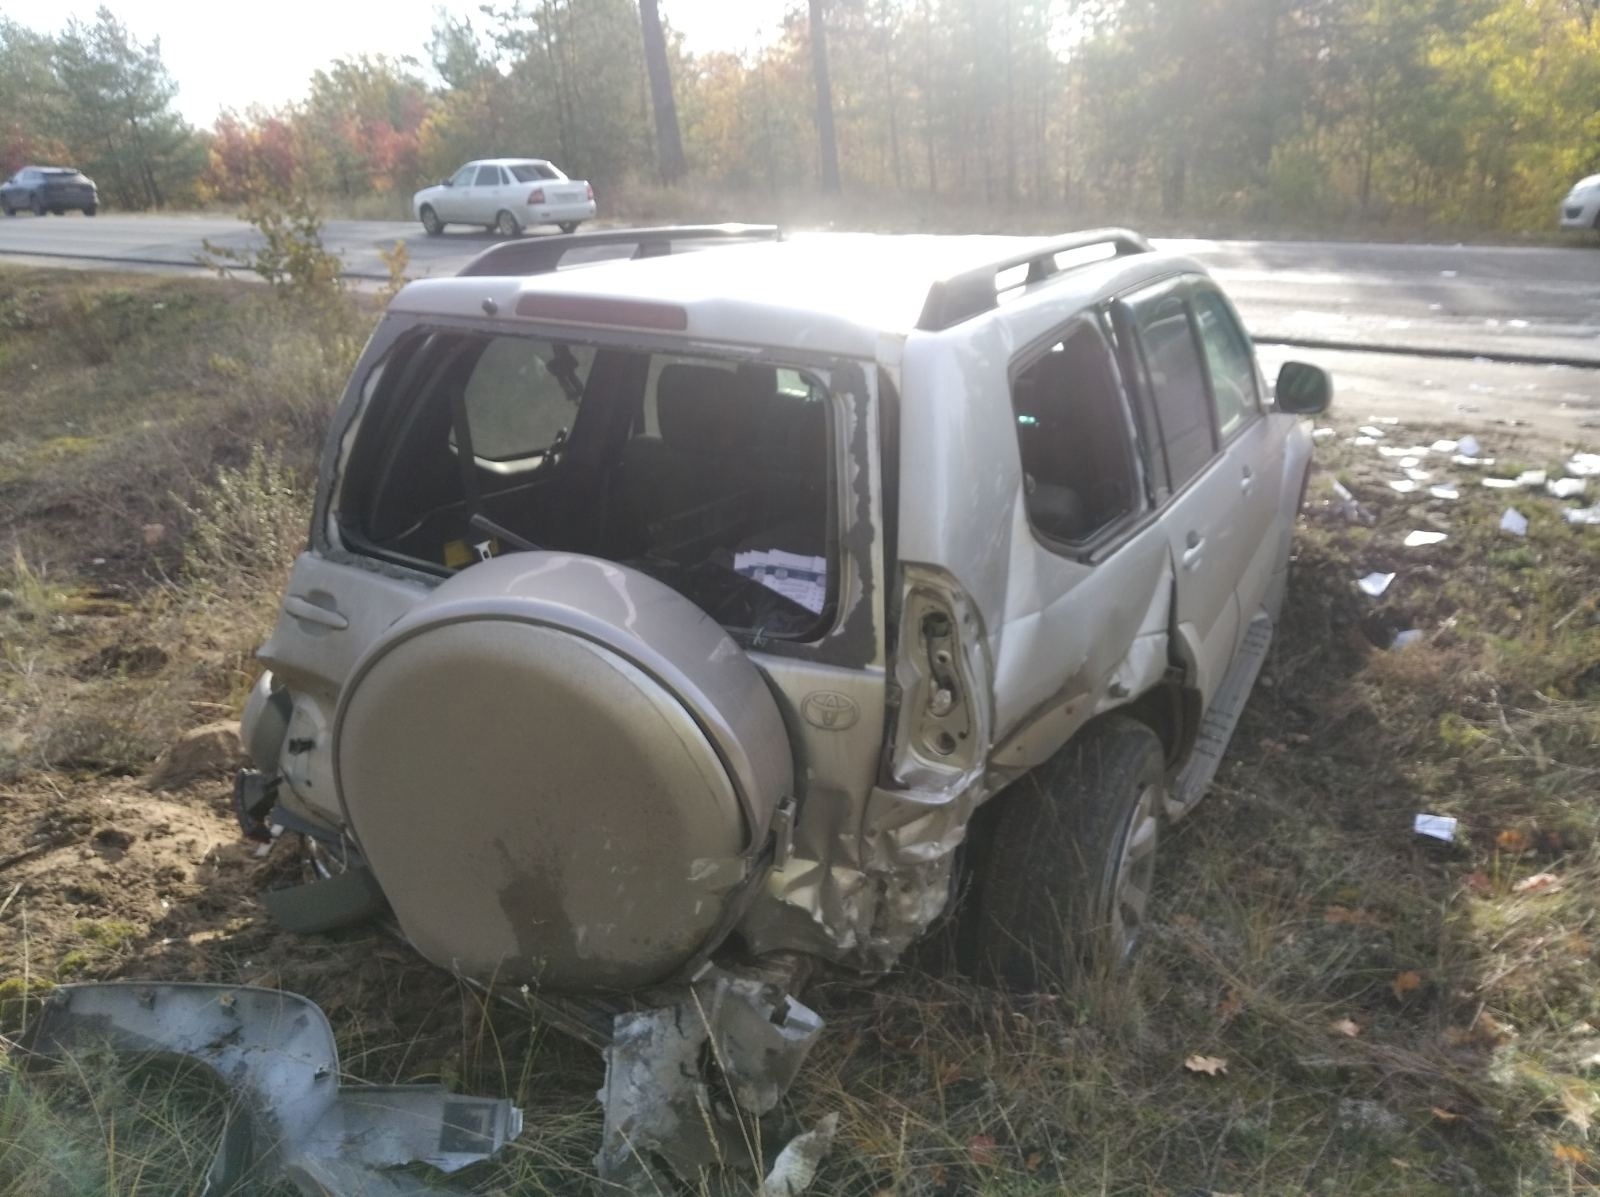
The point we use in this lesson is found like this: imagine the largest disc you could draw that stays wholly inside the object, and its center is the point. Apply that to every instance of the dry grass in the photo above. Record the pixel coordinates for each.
(1296, 905)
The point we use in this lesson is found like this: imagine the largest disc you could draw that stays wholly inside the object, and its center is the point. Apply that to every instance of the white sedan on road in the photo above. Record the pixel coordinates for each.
(505, 195)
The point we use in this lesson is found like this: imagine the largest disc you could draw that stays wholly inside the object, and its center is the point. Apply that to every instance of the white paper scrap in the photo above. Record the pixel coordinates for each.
(1389, 420)
(1567, 488)
(1407, 637)
(1375, 584)
(1409, 463)
(1417, 540)
(1500, 483)
(801, 579)
(1417, 475)
(1584, 465)
(1468, 446)
(1514, 522)
(1362, 440)
(1583, 515)
(1461, 459)
(1321, 434)
(1439, 827)
(1444, 492)
(1404, 485)
(1376, 434)
(1445, 446)
(1532, 479)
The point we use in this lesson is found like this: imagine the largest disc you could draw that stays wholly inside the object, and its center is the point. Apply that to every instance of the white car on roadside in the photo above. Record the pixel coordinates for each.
(1581, 208)
(505, 195)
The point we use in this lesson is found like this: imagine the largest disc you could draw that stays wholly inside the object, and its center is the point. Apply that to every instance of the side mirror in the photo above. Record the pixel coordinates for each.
(447, 182)
(1303, 389)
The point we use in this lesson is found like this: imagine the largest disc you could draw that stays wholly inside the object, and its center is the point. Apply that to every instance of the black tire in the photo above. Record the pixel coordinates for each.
(58, 211)
(90, 210)
(505, 224)
(431, 224)
(1066, 879)
(38, 206)
(9, 210)
(568, 226)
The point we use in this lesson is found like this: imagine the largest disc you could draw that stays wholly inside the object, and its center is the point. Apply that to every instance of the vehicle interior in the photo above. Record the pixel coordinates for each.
(709, 475)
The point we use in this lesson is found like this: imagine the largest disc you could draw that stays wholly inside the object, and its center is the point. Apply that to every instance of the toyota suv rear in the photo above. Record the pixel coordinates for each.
(676, 625)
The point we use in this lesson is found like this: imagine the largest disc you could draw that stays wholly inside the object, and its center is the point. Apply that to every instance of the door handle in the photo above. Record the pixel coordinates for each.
(1192, 554)
(306, 611)
(1248, 482)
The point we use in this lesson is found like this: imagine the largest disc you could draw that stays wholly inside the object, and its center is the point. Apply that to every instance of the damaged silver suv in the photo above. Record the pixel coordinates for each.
(690, 610)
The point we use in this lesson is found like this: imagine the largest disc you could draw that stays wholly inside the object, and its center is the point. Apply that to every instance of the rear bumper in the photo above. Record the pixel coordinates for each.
(559, 213)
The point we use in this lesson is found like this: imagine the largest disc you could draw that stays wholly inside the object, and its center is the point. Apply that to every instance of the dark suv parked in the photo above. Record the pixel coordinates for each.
(49, 189)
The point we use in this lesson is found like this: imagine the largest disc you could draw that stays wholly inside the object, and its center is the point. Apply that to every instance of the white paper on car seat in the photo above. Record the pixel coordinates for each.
(801, 579)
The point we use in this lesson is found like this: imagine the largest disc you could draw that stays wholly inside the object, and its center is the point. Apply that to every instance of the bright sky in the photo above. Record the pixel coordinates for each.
(231, 57)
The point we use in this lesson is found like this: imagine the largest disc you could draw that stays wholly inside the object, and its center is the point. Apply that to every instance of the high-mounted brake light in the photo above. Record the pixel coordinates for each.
(536, 196)
(584, 309)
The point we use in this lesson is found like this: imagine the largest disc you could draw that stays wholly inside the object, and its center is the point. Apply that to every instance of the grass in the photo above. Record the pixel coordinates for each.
(1396, 1015)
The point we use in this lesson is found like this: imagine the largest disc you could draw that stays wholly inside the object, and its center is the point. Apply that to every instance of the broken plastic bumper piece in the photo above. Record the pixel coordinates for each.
(293, 1120)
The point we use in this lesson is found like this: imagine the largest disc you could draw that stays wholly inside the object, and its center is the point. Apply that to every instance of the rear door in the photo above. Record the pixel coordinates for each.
(1252, 445)
(1207, 547)
(489, 195)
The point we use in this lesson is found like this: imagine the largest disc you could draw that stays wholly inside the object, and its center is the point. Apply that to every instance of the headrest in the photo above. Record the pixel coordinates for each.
(705, 409)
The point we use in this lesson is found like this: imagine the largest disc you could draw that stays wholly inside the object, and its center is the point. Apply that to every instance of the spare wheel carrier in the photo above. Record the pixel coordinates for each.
(561, 772)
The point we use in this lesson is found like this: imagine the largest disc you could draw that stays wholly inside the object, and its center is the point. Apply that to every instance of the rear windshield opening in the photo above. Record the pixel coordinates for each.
(532, 172)
(709, 475)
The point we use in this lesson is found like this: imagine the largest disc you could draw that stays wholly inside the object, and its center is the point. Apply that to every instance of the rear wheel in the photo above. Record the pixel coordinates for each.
(506, 224)
(568, 226)
(1068, 874)
(38, 206)
(9, 210)
(58, 211)
(90, 210)
(431, 224)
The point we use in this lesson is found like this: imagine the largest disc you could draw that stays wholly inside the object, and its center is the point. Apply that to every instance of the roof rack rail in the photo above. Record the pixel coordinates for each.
(973, 292)
(540, 255)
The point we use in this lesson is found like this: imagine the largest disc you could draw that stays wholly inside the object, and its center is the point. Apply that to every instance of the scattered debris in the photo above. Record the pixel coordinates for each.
(1403, 485)
(1438, 827)
(1321, 434)
(1363, 440)
(1347, 505)
(1514, 522)
(1347, 1027)
(276, 1053)
(1567, 488)
(1374, 584)
(1417, 475)
(1406, 638)
(1445, 492)
(1584, 465)
(1471, 463)
(1445, 446)
(1210, 1065)
(1376, 434)
(1416, 540)
(1468, 446)
(797, 1164)
(1501, 483)
(1583, 515)
(1532, 479)
(1539, 883)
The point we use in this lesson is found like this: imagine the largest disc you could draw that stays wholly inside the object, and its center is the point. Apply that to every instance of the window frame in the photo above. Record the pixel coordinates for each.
(1109, 537)
(1200, 285)
(496, 176)
(456, 179)
(1123, 305)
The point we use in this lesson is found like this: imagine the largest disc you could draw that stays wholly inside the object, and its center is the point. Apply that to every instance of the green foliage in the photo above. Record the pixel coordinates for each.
(291, 257)
(244, 526)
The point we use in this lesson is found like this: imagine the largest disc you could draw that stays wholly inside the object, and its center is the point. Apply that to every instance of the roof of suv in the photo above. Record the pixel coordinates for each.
(832, 292)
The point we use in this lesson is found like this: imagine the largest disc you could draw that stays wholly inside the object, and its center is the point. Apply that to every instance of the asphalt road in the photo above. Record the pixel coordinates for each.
(1472, 299)
(1462, 300)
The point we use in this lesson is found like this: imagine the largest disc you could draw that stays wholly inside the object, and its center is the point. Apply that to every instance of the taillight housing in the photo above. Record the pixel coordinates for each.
(536, 196)
(589, 188)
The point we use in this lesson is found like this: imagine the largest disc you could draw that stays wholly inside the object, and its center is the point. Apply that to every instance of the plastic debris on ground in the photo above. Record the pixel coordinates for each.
(1408, 637)
(1500, 483)
(1404, 485)
(1567, 488)
(1438, 827)
(1363, 440)
(1346, 504)
(1321, 434)
(1374, 433)
(1444, 492)
(1461, 459)
(797, 1164)
(1375, 584)
(1417, 540)
(1583, 515)
(1445, 446)
(1584, 465)
(1532, 479)
(1468, 446)
(1417, 475)
(1410, 463)
(1514, 522)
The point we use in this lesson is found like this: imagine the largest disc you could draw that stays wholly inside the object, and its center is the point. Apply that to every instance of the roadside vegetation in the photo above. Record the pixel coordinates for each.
(1444, 117)
(1328, 1003)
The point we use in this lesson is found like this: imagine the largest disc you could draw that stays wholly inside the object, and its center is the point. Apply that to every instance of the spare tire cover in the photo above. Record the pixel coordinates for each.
(558, 769)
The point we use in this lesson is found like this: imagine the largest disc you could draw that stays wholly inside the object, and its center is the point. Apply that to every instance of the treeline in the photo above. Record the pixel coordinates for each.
(1457, 112)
